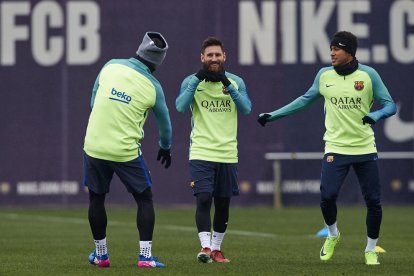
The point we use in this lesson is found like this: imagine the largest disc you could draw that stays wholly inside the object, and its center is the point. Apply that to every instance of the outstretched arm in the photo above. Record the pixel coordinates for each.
(298, 104)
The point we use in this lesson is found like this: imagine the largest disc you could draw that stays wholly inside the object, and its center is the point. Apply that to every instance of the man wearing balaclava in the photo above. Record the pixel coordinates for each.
(124, 91)
(349, 89)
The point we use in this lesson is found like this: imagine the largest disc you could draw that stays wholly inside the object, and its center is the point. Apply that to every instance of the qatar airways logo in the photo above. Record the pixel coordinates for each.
(217, 105)
(346, 102)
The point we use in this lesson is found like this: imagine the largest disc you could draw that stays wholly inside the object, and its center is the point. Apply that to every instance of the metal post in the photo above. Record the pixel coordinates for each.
(277, 191)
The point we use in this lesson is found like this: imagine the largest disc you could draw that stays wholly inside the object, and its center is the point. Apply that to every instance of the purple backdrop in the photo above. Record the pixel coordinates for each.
(51, 52)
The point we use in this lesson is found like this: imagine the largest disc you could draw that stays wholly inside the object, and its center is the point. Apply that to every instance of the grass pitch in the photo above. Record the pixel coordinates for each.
(259, 241)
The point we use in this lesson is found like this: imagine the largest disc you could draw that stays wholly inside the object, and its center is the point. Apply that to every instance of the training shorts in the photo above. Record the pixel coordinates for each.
(219, 179)
(98, 174)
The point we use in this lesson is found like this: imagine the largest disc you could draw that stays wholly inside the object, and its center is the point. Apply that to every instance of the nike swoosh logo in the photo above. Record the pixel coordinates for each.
(329, 85)
(398, 130)
(322, 253)
(340, 44)
(200, 90)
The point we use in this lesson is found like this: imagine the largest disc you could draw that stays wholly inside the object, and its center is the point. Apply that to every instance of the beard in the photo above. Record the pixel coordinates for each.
(209, 66)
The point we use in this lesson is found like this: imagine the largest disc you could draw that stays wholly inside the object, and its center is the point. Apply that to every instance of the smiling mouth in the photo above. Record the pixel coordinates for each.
(214, 66)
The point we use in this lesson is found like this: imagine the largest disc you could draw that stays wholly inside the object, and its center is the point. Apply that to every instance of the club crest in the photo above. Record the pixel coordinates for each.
(359, 85)
(225, 91)
(329, 158)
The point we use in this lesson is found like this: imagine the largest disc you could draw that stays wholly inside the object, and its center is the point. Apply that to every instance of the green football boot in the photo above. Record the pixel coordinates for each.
(371, 258)
(328, 247)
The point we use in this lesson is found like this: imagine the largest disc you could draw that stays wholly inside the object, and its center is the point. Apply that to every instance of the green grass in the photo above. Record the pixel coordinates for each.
(58, 241)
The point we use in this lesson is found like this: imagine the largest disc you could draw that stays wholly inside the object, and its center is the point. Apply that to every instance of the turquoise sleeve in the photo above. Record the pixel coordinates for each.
(383, 96)
(186, 94)
(162, 117)
(300, 103)
(94, 90)
(239, 96)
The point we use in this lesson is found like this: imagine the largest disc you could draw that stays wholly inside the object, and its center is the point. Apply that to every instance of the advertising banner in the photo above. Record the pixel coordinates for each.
(52, 51)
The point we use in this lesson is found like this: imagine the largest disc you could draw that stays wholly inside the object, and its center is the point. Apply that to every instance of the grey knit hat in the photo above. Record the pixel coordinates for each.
(153, 48)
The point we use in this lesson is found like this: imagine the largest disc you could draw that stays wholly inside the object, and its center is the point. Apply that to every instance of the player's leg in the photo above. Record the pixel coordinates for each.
(145, 224)
(97, 177)
(202, 176)
(98, 222)
(225, 186)
(145, 221)
(137, 179)
(203, 219)
(335, 167)
(221, 218)
(203, 223)
(368, 176)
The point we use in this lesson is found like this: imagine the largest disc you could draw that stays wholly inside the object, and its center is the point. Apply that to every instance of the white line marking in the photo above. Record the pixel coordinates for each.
(14, 216)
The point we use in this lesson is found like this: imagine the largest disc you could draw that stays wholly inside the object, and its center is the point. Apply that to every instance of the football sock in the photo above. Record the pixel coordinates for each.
(205, 239)
(216, 240)
(145, 248)
(101, 248)
(333, 230)
(371, 245)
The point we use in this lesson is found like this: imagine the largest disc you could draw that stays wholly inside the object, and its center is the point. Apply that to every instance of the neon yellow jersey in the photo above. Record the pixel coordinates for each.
(347, 100)
(214, 117)
(214, 125)
(123, 93)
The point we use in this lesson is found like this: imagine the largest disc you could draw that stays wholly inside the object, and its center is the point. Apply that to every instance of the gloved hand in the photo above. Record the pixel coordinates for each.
(224, 80)
(165, 156)
(368, 120)
(212, 76)
(263, 118)
(201, 74)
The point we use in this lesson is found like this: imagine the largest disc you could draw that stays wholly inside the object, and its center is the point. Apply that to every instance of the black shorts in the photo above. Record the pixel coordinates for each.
(219, 179)
(98, 174)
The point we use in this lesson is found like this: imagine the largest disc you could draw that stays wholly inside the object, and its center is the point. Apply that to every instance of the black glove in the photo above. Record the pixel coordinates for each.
(224, 80)
(165, 156)
(201, 74)
(368, 120)
(212, 76)
(263, 119)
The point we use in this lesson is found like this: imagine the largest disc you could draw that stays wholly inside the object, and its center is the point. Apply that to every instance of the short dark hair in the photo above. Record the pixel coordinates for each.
(211, 41)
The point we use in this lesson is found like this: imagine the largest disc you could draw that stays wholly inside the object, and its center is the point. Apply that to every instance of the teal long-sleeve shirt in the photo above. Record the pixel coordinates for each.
(214, 116)
(347, 100)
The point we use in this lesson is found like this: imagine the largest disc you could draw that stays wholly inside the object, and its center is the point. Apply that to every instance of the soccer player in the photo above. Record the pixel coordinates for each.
(349, 89)
(214, 97)
(124, 91)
